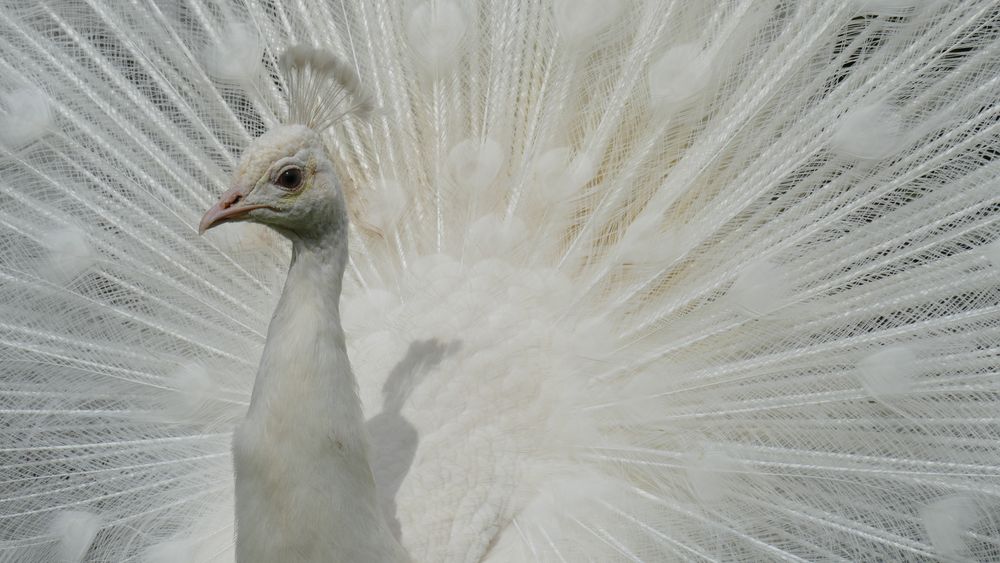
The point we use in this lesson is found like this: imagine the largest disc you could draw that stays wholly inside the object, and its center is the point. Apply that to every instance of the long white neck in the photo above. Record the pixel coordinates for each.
(304, 486)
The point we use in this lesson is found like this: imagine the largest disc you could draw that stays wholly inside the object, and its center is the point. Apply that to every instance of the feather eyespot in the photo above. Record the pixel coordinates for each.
(289, 178)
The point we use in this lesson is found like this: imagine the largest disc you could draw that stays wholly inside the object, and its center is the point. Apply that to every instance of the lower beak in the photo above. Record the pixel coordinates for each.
(227, 209)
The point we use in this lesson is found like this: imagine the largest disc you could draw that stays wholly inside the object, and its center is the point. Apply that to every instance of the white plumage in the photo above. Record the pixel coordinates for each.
(628, 280)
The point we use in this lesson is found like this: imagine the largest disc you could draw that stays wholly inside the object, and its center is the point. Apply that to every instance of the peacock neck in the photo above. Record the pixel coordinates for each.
(304, 486)
(305, 352)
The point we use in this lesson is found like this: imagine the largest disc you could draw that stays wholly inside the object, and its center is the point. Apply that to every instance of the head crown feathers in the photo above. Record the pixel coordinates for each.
(321, 88)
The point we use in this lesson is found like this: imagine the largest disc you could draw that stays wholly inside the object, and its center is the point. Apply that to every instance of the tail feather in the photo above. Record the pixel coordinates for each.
(651, 280)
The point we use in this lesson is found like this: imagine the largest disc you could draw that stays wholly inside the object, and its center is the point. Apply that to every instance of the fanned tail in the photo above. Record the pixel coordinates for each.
(630, 280)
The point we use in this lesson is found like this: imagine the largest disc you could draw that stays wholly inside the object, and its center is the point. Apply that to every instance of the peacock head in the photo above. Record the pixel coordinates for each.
(286, 179)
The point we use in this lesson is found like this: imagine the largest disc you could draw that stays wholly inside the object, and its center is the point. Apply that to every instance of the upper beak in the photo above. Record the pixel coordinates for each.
(226, 209)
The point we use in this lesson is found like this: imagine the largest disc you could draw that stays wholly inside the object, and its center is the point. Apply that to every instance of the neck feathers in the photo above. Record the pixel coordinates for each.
(303, 480)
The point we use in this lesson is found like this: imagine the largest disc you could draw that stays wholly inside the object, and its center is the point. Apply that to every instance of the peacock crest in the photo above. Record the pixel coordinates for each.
(322, 89)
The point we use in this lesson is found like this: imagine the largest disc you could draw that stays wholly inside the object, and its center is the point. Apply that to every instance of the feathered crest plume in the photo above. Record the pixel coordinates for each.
(321, 88)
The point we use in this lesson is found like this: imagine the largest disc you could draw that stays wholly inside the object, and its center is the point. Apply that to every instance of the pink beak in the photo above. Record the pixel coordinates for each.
(226, 209)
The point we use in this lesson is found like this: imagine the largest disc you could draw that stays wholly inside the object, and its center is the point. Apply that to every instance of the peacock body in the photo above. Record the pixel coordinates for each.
(628, 280)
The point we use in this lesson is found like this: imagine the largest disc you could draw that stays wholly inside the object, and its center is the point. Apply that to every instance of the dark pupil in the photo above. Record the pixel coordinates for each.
(290, 178)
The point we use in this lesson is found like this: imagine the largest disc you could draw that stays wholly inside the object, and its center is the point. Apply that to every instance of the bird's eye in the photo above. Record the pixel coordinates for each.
(290, 178)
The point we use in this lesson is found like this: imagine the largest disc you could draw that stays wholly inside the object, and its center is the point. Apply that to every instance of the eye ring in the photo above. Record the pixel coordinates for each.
(290, 178)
